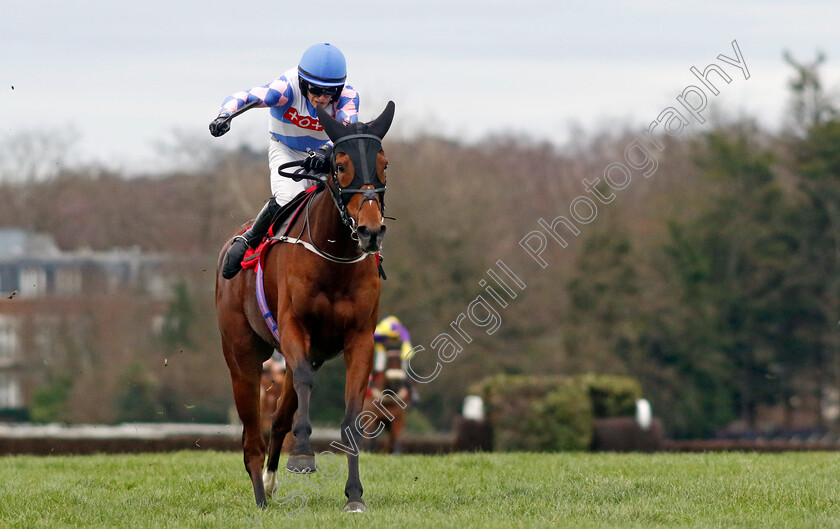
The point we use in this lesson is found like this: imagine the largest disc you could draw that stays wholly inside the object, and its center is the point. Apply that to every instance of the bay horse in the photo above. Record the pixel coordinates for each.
(271, 386)
(388, 399)
(323, 291)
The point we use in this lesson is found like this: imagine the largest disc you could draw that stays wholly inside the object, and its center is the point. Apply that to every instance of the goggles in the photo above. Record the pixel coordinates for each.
(317, 90)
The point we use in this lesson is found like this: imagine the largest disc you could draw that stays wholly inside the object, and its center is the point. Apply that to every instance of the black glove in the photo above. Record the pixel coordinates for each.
(220, 125)
(318, 162)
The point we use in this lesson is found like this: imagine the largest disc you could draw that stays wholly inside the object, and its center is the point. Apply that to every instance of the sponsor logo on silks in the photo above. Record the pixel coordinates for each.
(304, 122)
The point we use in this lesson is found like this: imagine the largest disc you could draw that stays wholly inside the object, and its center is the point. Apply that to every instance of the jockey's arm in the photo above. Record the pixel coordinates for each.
(275, 93)
(347, 106)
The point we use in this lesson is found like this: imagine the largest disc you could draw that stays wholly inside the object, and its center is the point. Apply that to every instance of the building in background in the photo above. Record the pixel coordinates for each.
(53, 302)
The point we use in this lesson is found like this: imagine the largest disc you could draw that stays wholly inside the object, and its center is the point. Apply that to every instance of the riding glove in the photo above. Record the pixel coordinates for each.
(318, 161)
(220, 125)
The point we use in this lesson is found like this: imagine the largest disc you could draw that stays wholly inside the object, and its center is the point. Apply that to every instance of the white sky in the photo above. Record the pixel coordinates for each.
(126, 75)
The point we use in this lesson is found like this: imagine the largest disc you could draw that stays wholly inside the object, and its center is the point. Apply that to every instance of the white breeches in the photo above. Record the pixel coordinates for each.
(284, 189)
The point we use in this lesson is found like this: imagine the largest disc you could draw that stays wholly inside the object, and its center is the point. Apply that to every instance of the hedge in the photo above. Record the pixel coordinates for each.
(551, 413)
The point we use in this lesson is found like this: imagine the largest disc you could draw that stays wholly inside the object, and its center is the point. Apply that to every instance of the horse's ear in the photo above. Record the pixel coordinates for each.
(379, 126)
(332, 127)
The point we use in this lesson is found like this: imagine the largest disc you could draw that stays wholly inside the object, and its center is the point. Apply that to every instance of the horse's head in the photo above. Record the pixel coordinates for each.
(357, 174)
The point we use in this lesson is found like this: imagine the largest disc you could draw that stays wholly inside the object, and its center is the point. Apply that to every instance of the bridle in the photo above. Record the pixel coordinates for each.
(363, 153)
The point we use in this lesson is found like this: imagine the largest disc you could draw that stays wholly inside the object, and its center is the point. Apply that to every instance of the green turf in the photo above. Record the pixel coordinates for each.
(207, 489)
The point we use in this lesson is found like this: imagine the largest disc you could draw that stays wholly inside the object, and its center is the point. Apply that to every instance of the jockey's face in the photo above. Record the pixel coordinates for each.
(320, 100)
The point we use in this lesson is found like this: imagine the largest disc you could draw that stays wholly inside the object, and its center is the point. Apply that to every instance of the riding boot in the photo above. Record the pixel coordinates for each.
(249, 239)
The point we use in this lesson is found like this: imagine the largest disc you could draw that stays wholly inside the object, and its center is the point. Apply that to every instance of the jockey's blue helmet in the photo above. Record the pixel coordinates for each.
(323, 65)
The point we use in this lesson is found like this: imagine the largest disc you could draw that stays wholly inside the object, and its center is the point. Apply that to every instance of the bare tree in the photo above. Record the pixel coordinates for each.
(810, 105)
(31, 156)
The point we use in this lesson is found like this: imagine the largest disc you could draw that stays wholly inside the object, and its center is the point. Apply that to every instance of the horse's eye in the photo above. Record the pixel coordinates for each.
(339, 168)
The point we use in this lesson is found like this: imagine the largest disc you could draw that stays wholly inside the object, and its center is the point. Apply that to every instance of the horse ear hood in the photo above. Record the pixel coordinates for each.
(379, 127)
(332, 127)
(335, 130)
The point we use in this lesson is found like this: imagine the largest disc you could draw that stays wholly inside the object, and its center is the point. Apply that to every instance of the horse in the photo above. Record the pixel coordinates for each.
(323, 288)
(389, 399)
(271, 386)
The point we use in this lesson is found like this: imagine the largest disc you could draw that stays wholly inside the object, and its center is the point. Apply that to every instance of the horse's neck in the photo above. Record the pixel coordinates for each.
(326, 229)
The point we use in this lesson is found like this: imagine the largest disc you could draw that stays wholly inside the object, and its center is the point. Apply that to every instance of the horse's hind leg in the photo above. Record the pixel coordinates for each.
(281, 425)
(245, 371)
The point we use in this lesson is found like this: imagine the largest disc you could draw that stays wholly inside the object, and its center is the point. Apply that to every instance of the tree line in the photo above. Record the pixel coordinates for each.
(714, 283)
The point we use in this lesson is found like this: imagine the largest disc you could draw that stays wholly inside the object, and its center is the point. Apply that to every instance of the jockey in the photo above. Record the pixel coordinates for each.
(391, 335)
(319, 79)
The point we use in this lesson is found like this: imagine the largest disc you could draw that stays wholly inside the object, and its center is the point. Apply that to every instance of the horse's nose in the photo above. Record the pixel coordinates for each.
(370, 239)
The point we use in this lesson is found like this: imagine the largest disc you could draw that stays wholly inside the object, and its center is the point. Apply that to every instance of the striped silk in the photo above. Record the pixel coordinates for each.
(293, 120)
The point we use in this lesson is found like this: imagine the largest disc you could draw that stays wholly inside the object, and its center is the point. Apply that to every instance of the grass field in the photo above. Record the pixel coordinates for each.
(210, 489)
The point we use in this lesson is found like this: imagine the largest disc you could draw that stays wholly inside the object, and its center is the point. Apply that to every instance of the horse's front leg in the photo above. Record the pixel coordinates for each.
(295, 344)
(359, 360)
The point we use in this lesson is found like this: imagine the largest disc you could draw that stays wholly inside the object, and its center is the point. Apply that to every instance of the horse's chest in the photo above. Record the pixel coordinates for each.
(337, 310)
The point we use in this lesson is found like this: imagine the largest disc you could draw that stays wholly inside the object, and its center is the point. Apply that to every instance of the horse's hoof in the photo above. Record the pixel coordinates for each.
(355, 506)
(301, 464)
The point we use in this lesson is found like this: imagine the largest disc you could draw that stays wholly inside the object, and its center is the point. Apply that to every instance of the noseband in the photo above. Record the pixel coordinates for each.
(362, 152)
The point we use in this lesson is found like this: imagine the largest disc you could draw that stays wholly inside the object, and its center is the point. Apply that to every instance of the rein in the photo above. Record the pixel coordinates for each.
(314, 249)
(336, 195)
(343, 212)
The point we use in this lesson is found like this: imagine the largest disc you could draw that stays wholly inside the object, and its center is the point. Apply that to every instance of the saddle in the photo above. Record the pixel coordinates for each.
(282, 224)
